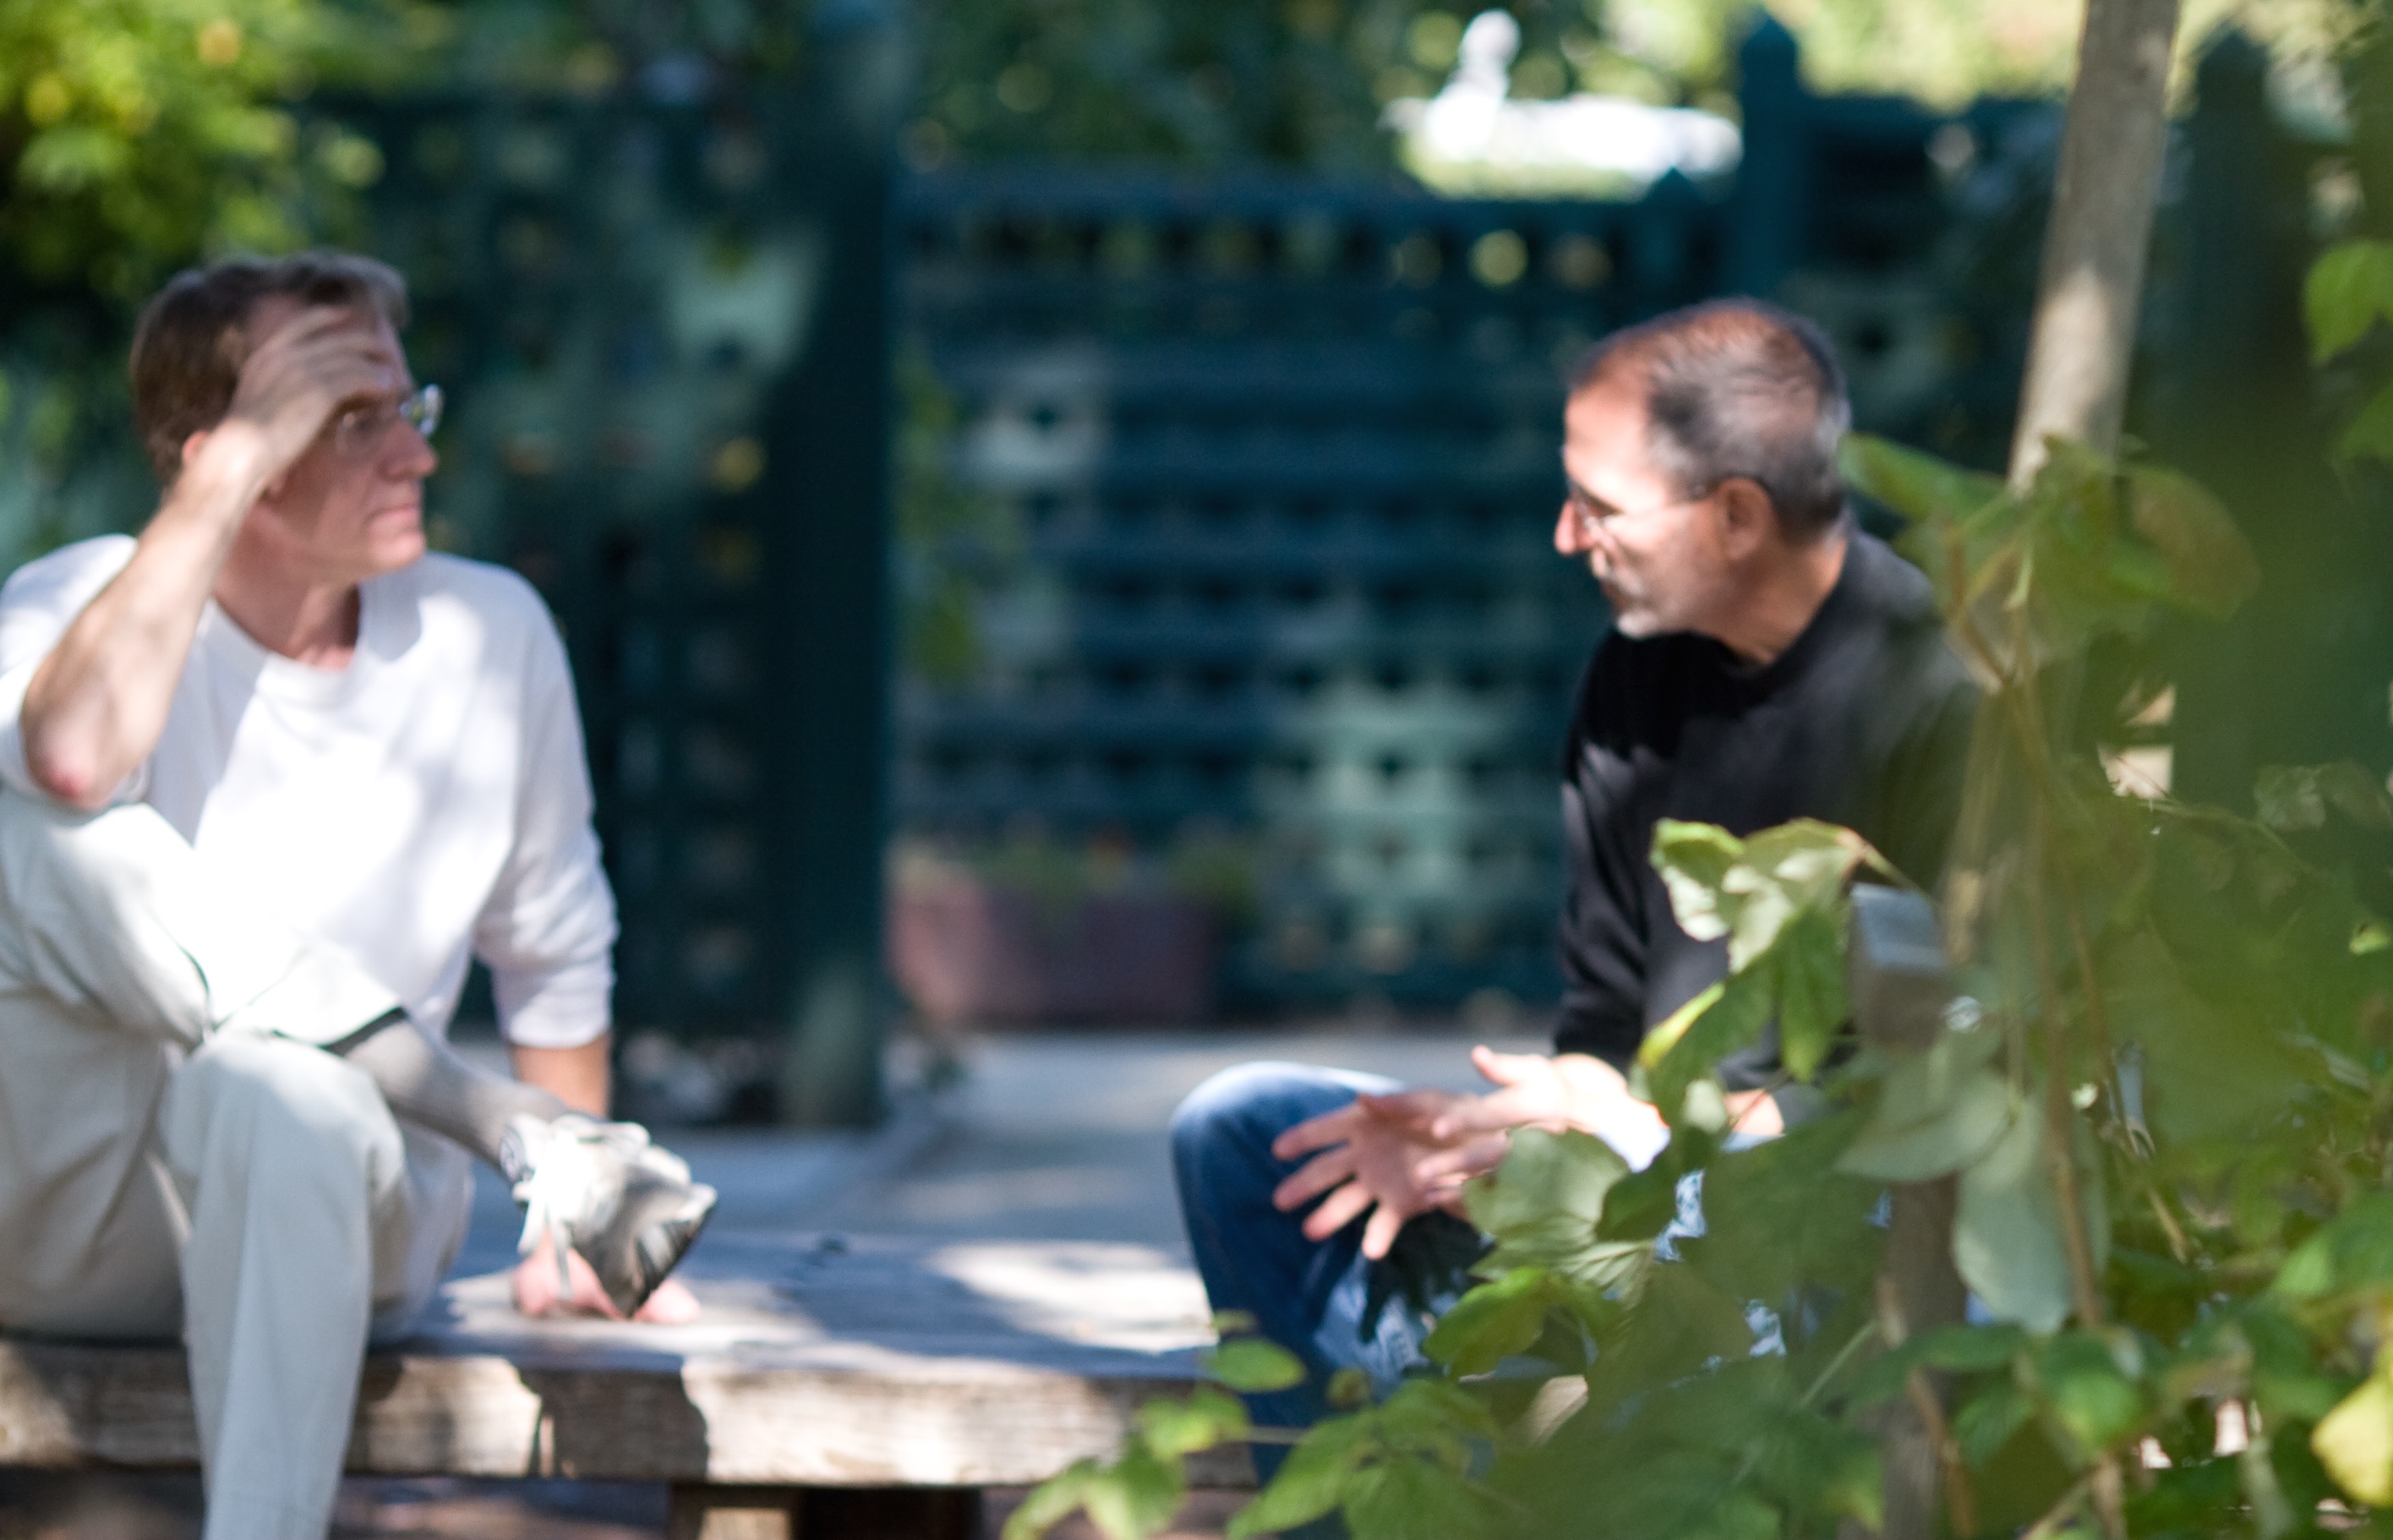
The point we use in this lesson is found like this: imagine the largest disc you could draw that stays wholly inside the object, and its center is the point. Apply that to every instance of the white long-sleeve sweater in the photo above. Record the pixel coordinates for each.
(426, 805)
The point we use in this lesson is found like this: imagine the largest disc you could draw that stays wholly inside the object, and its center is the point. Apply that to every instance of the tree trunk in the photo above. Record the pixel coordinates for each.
(2091, 289)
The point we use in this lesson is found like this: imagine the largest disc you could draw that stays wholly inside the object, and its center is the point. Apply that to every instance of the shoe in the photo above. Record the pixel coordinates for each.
(628, 1207)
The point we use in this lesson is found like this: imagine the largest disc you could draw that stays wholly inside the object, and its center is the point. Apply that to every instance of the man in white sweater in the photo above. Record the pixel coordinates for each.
(271, 776)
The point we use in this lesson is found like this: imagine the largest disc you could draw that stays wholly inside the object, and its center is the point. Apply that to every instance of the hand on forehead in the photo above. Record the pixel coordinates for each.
(328, 337)
(287, 320)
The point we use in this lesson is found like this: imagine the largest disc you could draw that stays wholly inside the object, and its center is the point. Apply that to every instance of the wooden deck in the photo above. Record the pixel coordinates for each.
(821, 1363)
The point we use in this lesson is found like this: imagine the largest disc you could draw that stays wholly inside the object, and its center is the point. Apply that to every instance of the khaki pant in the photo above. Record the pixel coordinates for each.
(176, 1156)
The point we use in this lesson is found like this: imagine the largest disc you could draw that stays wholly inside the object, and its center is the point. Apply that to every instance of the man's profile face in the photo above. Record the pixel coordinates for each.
(351, 506)
(1655, 549)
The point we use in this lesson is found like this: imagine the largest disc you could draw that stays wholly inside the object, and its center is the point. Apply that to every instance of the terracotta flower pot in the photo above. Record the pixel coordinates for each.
(966, 950)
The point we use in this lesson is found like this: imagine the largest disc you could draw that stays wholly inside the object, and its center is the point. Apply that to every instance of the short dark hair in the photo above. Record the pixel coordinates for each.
(1735, 387)
(191, 341)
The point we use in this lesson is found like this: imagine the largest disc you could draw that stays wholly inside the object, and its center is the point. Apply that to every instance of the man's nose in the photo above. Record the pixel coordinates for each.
(1569, 535)
(410, 455)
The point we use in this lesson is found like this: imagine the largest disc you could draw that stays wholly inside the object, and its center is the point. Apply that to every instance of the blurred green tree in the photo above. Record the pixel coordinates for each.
(1305, 81)
(134, 134)
(1300, 81)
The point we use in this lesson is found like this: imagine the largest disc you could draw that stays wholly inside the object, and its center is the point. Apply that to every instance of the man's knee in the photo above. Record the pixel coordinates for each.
(105, 912)
(45, 846)
(1241, 1110)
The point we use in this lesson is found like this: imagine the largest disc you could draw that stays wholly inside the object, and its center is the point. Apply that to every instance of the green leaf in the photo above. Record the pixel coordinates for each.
(2079, 1377)
(1852, 1485)
(2369, 435)
(1493, 1322)
(1418, 1500)
(2355, 1442)
(1679, 1323)
(1958, 1350)
(1748, 890)
(1734, 1019)
(1436, 1417)
(1811, 976)
(1778, 1217)
(1989, 1419)
(2210, 568)
(1137, 1499)
(1545, 1175)
(1694, 860)
(2007, 1231)
(1789, 870)
(1052, 1501)
(1913, 484)
(1968, 1350)
(1778, 897)
(2348, 289)
(2353, 1250)
(1641, 1205)
(2209, 1070)
(1252, 1366)
(1809, 859)
(1173, 1428)
(1921, 1129)
(1543, 1205)
(1311, 1482)
(2289, 798)
(1664, 1034)
(2295, 797)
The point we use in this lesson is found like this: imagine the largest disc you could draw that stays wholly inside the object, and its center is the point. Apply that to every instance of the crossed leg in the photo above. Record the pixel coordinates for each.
(179, 1150)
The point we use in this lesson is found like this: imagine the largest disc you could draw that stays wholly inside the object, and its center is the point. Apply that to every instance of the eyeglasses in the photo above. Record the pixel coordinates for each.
(1593, 514)
(358, 430)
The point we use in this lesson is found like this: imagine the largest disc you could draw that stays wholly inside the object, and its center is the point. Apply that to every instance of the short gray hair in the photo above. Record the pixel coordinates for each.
(1735, 387)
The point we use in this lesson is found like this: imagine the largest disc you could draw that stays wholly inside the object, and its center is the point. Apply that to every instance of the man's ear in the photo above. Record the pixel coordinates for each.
(1748, 521)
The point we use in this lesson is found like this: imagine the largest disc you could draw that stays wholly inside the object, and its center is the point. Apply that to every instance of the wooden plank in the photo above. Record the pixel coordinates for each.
(861, 1364)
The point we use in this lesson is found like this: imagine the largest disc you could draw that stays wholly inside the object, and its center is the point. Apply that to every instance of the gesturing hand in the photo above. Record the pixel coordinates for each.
(1533, 1090)
(1370, 1160)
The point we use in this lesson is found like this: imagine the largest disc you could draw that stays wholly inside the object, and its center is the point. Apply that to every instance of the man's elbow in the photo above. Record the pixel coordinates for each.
(70, 779)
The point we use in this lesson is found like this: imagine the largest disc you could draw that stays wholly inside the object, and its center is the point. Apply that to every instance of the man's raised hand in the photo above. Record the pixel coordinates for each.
(310, 366)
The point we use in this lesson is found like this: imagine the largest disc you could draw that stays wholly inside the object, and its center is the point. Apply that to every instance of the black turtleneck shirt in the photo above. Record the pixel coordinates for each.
(1863, 721)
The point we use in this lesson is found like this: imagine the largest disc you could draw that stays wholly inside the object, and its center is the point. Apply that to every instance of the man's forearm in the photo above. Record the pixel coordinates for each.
(96, 704)
(577, 1076)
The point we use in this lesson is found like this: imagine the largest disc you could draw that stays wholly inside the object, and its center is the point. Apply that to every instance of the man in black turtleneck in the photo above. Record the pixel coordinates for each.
(1767, 661)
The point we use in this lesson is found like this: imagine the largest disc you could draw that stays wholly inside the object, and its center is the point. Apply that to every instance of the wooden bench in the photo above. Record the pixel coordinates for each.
(847, 1387)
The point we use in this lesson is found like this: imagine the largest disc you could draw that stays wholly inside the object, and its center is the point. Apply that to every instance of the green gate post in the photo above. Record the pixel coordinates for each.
(2298, 676)
(827, 557)
(1770, 213)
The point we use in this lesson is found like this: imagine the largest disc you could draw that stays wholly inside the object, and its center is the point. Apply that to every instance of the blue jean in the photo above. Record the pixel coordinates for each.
(1307, 1296)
